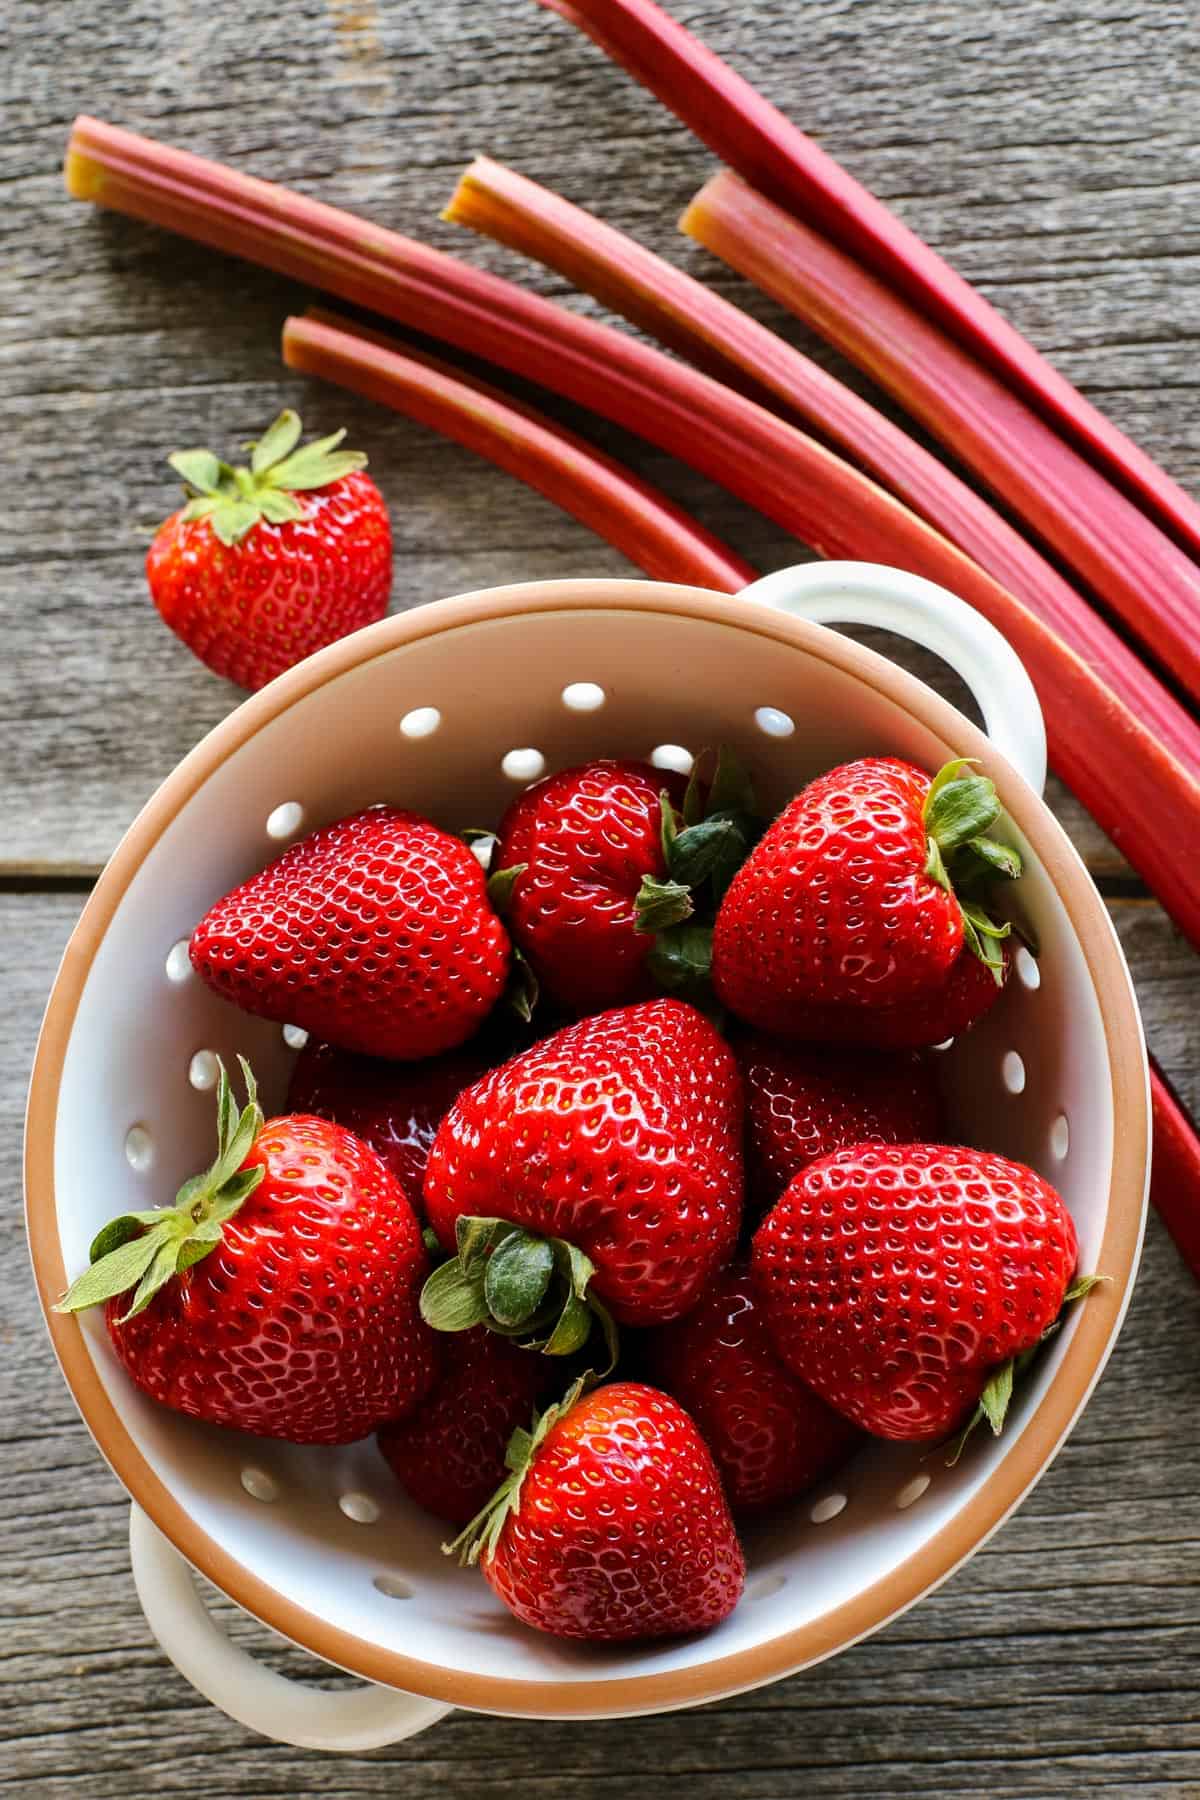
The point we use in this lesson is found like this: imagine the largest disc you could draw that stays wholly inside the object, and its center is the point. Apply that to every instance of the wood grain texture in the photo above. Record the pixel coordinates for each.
(1051, 149)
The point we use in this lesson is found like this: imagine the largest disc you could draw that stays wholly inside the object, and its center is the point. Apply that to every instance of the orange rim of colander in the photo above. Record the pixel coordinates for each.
(1017, 1469)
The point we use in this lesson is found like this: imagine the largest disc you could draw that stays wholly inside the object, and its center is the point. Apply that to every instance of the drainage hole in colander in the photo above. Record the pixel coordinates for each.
(523, 765)
(912, 1491)
(943, 1046)
(421, 722)
(179, 963)
(1012, 1070)
(1060, 1138)
(764, 1587)
(828, 1507)
(672, 756)
(1027, 968)
(583, 696)
(359, 1507)
(774, 723)
(139, 1149)
(203, 1070)
(285, 821)
(259, 1485)
(295, 1037)
(394, 1586)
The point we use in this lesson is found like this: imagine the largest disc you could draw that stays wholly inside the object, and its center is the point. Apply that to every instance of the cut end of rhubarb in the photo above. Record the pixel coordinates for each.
(83, 176)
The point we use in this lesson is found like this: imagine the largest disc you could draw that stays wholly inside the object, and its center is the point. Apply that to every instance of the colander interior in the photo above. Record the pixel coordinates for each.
(452, 724)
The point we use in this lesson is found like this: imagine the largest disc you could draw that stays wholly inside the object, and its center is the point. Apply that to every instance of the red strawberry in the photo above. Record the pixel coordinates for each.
(613, 1525)
(394, 1107)
(802, 1102)
(374, 933)
(449, 1455)
(769, 1434)
(280, 1294)
(618, 1136)
(267, 564)
(586, 839)
(898, 1281)
(849, 898)
(933, 1017)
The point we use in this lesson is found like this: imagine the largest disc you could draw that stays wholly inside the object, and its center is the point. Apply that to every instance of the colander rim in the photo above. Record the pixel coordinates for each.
(1017, 1470)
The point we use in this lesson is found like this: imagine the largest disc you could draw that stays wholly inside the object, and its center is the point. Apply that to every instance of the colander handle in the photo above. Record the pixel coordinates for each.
(852, 593)
(290, 1712)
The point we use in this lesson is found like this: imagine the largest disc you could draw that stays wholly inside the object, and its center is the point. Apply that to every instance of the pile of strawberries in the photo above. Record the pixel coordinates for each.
(612, 1191)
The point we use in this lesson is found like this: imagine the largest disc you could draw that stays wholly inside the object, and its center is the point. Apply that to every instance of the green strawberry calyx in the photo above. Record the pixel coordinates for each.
(960, 809)
(992, 1408)
(145, 1250)
(482, 1535)
(234, 500)
(533, 1289)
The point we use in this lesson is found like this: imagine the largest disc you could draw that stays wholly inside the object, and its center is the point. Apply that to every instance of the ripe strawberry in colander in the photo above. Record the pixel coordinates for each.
(279, 1295)
(375, 934)
(901, 1282)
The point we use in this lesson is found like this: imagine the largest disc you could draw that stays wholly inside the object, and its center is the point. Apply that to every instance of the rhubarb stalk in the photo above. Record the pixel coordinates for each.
(1112, 547)
(1137, 791)
(648, 528)
(774, 156)
(715, 335)
(1175, 1171)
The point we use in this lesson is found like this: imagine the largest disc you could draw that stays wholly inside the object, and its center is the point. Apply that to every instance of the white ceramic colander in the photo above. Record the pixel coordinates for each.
(448, 709)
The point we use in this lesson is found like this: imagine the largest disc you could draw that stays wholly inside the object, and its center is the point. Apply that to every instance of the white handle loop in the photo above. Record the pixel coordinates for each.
(290, 1712)
(852, 593)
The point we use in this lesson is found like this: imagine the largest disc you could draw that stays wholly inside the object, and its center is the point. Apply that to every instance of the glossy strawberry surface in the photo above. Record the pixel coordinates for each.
(833, 907)
(897, 1278)
(805, 1100)
(394, 1107)
(588, 836)
(252, 609)
(303, 1323)
(621, 1134)
(621, 1530)
(448, 1456)
(934, 1016)
(771, 1437)
(374, 933)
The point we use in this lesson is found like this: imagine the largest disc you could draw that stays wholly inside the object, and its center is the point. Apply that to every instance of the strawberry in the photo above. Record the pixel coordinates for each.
(932, 1017)
(604, 1159)
(581, 843)
(374, 933)
(394, 1107)
(901, 1281)
(280, 1294)
(769, 1434)
(861, 894)
(612, 1524)
(265, 565)
(802, 1102)
(448, 1456)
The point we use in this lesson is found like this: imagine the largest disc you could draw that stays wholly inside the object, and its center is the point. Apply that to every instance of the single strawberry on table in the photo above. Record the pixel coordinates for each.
(612, 1525)
(268, 563)
(770, 1436)
(448, 1455)
(861, 897)
(805, 1100)
(394, 1107)
(901, 1282)
(374, 933)
(280, 1294)
(602, 1168)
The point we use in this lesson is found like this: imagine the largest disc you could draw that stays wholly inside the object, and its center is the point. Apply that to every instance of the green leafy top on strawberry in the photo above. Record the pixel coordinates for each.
(481, 1536)
(960, 809)
(233, 500)
(149, 1248)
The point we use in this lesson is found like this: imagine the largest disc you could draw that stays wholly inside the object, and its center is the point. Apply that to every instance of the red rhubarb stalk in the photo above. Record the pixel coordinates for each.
(774, 156)
(1111, 546)
(1175, 1172)
(1136, 790)
(715, 335)
(648, 528)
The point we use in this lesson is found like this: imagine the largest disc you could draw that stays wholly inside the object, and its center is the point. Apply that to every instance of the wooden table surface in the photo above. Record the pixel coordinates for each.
(1051, 148)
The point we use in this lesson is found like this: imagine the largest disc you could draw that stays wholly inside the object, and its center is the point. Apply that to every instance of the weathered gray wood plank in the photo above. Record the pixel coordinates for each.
(1049, 147)
(1064, 1660)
